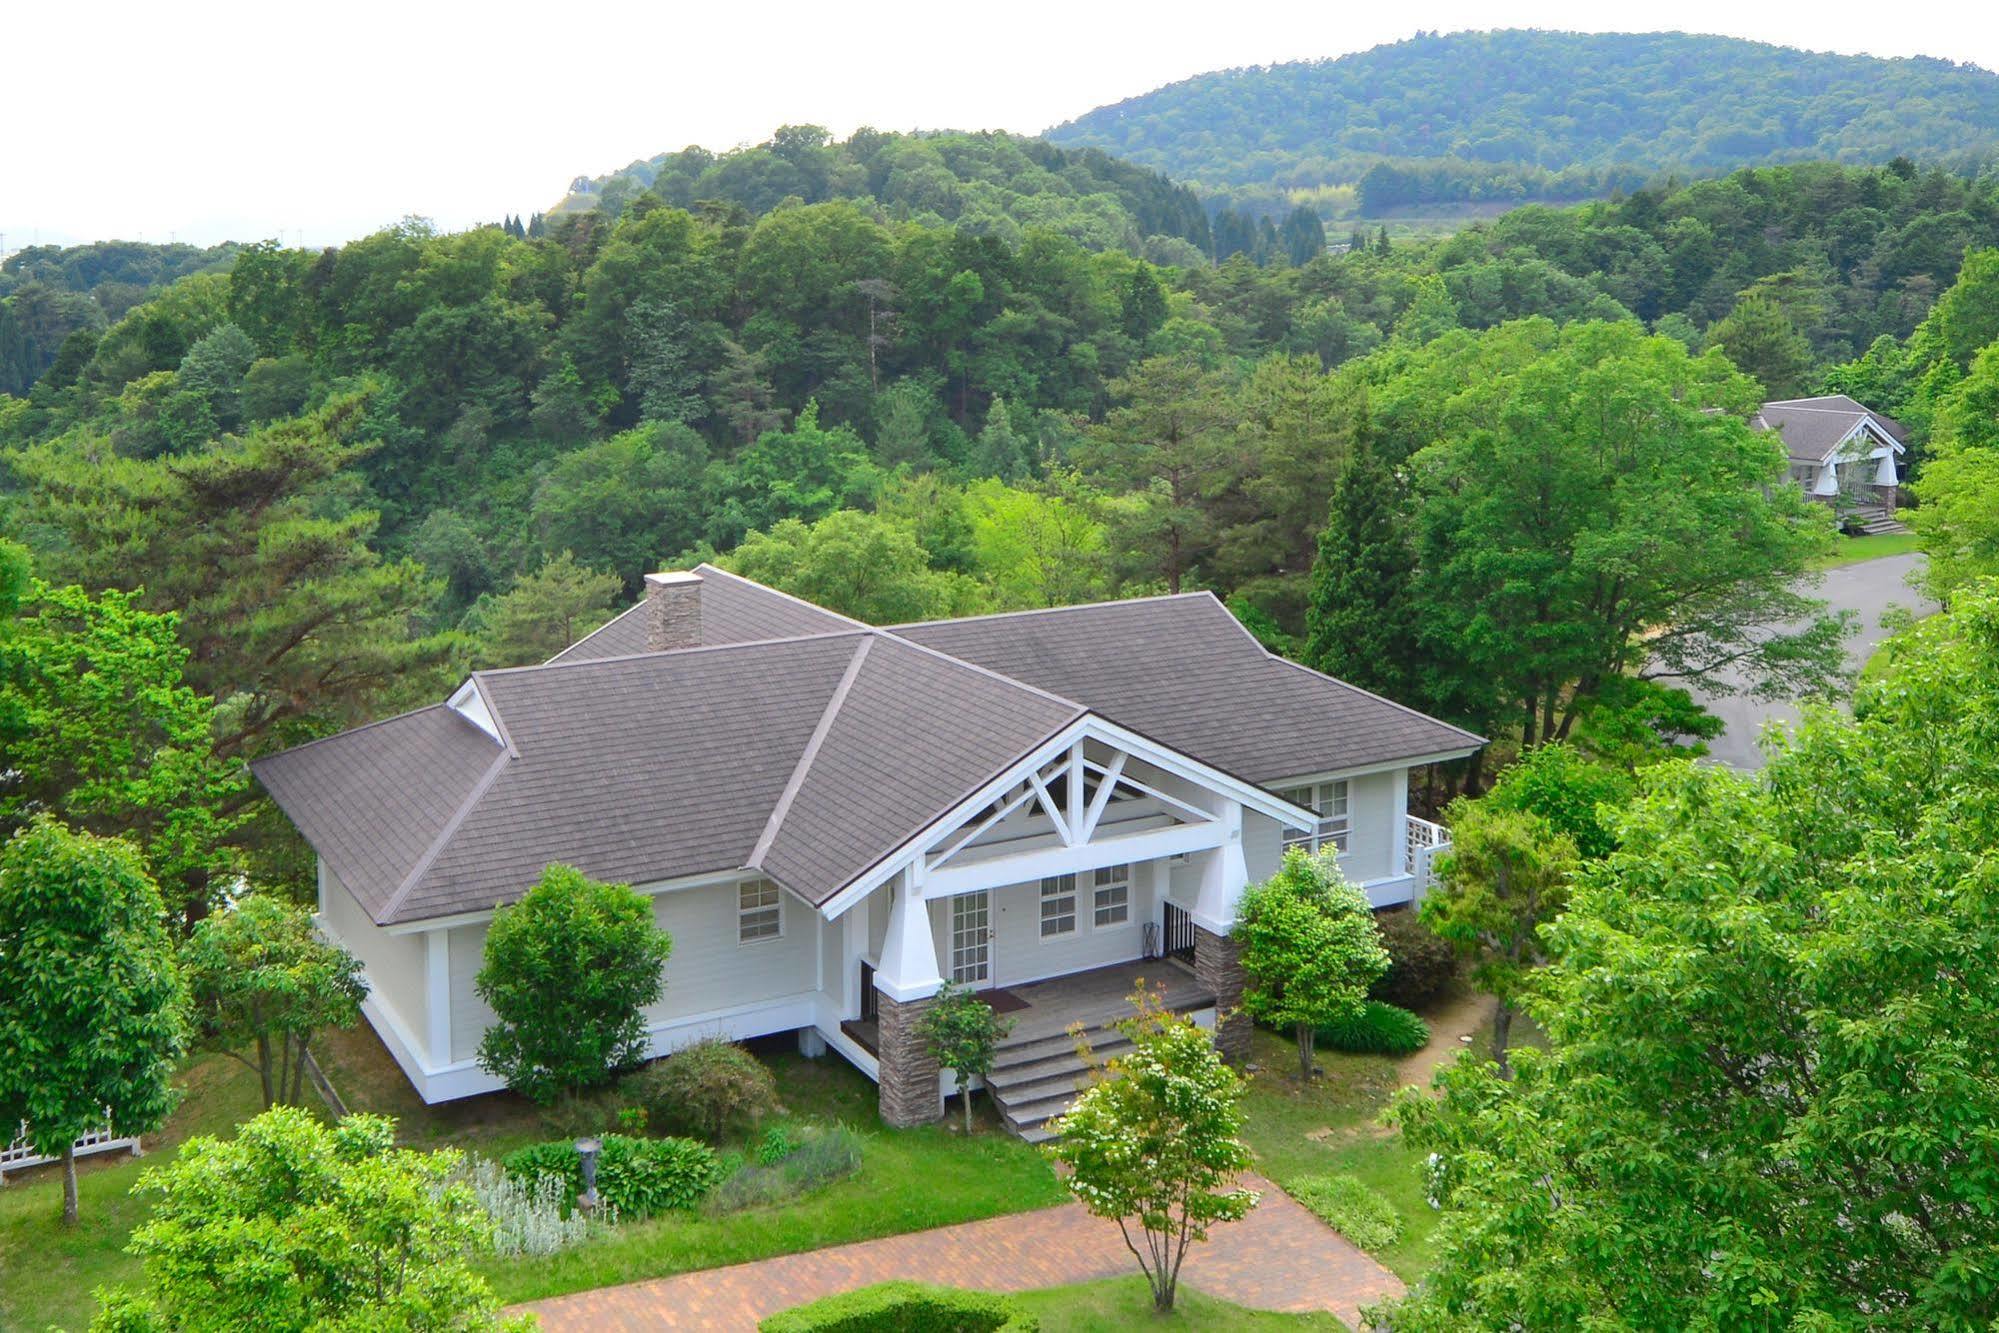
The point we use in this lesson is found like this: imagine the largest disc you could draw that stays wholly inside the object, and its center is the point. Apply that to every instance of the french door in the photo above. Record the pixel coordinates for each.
(972, 939)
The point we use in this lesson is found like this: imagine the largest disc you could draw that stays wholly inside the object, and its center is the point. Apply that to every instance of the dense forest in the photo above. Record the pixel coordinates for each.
(353, 473)
(1514, 115)
(990, 184)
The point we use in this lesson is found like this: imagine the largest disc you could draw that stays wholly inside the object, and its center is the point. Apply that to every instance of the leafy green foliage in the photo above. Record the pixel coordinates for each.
(1310, 949)
(1376, 1029)
(568, 971)
(711, 1088)
(259, 974)
(911, 1307)
(1345, 1203)
(93, 1012)
(546, 611)
(1492, 115)
(1575, 795)
(293, 1225)
(962, 1032)
(1153, 1142)
(637, 1177)
(1770, 1087)
(98, 726)
(1421, 963)
(818, 1157)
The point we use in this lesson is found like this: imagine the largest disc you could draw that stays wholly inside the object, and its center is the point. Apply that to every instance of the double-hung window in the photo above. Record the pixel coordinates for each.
(1330, 802)
(1058, 906)
(759, 916)
(1111, 896)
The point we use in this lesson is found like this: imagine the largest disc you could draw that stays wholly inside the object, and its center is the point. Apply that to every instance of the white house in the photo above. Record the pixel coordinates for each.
(1841, 452)
(833, 819)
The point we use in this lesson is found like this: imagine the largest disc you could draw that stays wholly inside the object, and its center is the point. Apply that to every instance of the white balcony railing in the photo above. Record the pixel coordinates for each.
(1423, 842)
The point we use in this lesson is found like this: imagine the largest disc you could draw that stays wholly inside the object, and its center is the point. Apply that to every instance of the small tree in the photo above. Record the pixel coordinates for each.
(1153, 1142)
(962, 1032)
(92, 1011)
(261, 975)
(1507, 873)
(293, 1225)
(1310, 949)
(567, 971)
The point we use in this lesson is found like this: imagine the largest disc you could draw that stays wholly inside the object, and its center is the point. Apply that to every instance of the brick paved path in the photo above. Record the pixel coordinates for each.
(1280, 1257)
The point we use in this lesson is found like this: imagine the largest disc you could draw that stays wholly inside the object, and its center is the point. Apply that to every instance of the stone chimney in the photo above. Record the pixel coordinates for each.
(673, 611)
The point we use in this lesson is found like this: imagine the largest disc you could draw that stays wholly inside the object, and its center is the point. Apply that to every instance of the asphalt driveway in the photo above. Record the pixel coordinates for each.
(1868, 589)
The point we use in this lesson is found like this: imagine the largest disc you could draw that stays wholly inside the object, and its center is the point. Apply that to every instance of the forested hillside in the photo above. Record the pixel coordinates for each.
(1515, 115)
(353, 473)
(46, 291)
(991, 184)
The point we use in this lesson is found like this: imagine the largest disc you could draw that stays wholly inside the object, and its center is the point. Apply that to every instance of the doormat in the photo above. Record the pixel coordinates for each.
(1002, 1001)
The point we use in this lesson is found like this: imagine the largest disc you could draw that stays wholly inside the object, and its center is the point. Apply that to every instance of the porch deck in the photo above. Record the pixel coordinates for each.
(1093, 998)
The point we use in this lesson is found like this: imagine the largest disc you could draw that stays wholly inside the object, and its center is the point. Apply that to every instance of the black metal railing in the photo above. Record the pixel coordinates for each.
(1179, 933)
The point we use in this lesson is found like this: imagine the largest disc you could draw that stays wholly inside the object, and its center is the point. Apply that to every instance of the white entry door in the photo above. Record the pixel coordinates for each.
(972, 939)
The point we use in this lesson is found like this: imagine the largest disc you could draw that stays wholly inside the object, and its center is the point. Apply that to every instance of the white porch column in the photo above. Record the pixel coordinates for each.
(1224, 875)
(437, 995)
(908, 969)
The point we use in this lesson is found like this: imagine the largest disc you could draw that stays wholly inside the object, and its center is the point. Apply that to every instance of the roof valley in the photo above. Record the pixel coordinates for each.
(811, 752)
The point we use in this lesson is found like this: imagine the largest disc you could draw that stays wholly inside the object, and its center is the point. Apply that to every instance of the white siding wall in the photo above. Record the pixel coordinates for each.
(708, 970)
(1020, 954)
(1374, 838)
(395, 963)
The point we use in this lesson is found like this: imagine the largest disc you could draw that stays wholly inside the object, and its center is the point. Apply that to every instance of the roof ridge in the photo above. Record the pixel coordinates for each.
(557, 659)
(676, 652)
(444, 836)
(970, 665)
(1048, 610)
(779, 592)
(820, 730)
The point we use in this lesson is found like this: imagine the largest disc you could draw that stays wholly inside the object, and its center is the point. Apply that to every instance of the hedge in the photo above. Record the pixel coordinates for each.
(638, 1177)
(1379, 1029)
(905, 1307)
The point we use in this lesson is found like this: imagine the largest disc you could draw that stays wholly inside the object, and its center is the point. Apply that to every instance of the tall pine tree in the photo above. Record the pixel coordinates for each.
(1358, 624)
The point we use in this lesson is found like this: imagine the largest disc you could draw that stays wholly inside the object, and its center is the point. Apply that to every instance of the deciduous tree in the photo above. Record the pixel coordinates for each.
(1310, 949)
(962, 1032)
(93, 1014)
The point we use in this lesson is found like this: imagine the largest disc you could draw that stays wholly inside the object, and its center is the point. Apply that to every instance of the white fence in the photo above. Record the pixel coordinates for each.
(20, 1154)
(1423, 844)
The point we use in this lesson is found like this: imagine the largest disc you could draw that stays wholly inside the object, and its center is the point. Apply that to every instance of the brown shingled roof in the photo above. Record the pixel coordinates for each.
(797, 743)
(1810, 427)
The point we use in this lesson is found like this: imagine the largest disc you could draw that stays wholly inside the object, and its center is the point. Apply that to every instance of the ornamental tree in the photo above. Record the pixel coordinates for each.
(1506, 876)
(962, 1032)
(1153, 1142)
(260, 975)
(293, 1225)
(1772, 1084)
(1310, 949)
(92, 1009)
(568, 971)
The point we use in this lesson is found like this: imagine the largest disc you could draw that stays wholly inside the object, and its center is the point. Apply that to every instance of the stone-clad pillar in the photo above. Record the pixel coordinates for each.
(1218, 966)
(907, 982)
(910, 1086)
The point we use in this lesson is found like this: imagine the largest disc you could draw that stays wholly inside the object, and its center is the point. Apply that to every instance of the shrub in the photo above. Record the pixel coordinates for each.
(637, 1177)
(907, 1307)
(1378, 1029)
(1349, 1207)
(1420, 962)
(818, 1159)
(710, 1088)
(774, 1146)
(530, 1214)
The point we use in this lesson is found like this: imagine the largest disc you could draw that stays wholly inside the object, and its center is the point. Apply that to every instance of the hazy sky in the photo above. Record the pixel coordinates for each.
(224, 120)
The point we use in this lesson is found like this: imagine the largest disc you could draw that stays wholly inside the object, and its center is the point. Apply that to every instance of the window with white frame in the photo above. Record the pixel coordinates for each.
(1329, 801)
(1058, 906)
(1111, 896)
(758, 913)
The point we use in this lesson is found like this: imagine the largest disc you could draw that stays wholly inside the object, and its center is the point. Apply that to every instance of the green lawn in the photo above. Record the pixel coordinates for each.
(1126, 1302)
(48, 1271)
(1853, 550)
(909, 1180)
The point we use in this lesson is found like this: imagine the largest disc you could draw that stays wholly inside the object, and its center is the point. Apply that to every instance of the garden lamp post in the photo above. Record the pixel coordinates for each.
(586, 1152)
